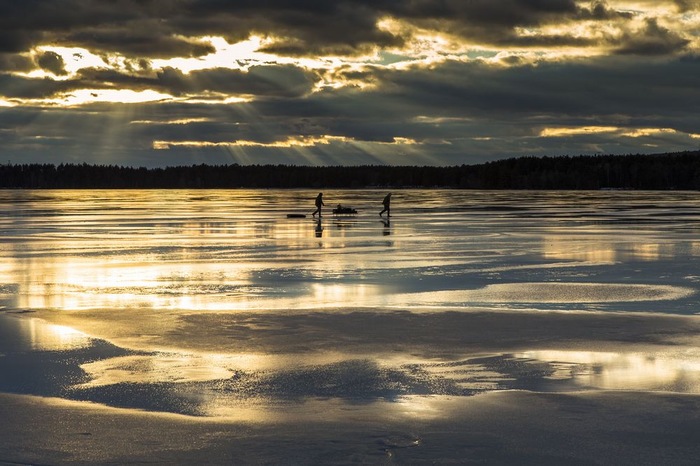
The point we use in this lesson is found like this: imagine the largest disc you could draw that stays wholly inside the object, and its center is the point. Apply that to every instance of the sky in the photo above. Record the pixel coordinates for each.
(346, 82)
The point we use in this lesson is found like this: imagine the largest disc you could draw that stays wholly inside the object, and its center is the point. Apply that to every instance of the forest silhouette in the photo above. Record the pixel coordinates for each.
(669, 171)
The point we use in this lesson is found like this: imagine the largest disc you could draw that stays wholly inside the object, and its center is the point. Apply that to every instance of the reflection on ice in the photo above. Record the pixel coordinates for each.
(236, 250)
(202, 386)
(214, 302)
(57, 361)
(156, 369)
(32, 334)
(677, 371)
(56, 337)
(555, 292)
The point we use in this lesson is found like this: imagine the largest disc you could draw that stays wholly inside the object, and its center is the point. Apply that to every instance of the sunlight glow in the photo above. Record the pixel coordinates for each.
(618, 131)
(641, 132)
(91, 96)
(299, 141)
(575, 131)
(180, 121)
(235, 56)
(241, 56)
(75, 58)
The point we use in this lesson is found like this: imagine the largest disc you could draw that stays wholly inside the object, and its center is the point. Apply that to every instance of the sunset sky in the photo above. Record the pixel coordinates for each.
(319, 82)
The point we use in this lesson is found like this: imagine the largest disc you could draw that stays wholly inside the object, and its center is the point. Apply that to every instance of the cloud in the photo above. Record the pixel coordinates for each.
(139, 39)
(15, 62)
(449, 81)
(687, 5)
(280, 81)
(652, 39)
(261, 81)
(19, 87)
(131, 27)
(53, 62)
(13, 41)
(344, 27)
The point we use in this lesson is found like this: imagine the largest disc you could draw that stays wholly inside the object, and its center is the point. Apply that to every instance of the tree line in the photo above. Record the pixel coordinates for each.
(680, 171)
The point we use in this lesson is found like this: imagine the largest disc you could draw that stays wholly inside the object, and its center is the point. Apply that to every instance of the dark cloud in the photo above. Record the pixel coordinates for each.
(687, 5)
(597, 86)
(261, 81)
(15, 62)
(497, 22)
(488, 13)
(600, 10)
(134, 28)
(458, 112)
(51, 61)
(457, 101)
(14, 41)
(19, 87)
(281, 81)
(143, 38)
(653, 39)
(454, 109)
(28, 22)
(165, 29)
(162, 29)
(304, 28)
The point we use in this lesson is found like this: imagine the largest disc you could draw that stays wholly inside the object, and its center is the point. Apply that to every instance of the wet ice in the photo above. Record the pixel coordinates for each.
(214, 300)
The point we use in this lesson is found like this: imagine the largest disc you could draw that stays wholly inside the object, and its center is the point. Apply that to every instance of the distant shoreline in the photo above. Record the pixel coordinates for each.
(669, 171)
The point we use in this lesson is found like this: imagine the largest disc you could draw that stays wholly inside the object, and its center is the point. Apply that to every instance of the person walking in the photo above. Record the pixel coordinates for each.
(319, 204)
(387, 205)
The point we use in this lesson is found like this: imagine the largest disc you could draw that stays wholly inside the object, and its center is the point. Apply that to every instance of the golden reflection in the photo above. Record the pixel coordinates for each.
(75, 283)
(585, 249)
(183, 281)
(660, 370)
(154, 369)
(419, 407)
(198, 367)
(340, 294)
(7, 270)
(600, 250)
(647, 251)
(49, 337)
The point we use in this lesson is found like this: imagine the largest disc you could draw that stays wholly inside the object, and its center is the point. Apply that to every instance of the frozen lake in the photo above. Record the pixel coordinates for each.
(215, 304)
(235, 251)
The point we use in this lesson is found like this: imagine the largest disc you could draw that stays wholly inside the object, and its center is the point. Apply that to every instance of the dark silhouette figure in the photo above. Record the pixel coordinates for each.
(387, 205)
(319, 204)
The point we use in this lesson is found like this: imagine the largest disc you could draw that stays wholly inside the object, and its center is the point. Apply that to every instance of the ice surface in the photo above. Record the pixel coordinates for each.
(214, 303)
